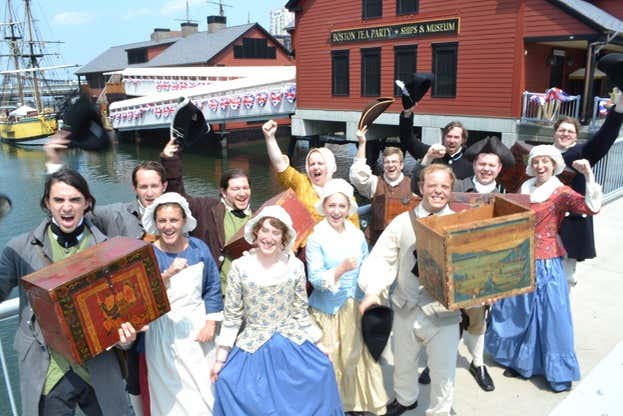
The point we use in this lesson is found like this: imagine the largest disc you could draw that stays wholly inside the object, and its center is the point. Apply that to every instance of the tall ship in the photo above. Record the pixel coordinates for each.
(27, 100)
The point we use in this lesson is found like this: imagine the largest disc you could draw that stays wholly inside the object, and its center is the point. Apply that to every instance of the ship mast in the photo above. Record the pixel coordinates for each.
(33, 57)
(14, 48)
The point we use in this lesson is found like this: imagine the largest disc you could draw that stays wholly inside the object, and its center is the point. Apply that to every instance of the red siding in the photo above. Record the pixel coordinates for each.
(226, 57)
(490, 51)
(544, 19)
(156, 50)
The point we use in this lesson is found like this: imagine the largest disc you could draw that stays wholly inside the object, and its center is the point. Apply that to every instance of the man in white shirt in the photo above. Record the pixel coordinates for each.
(420, 322)
(392, 187)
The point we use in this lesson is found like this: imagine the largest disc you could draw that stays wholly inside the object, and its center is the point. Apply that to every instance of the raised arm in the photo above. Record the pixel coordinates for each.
(172, 162)
(360, 174)
(415, 147)
(598, 145)
(277, 159)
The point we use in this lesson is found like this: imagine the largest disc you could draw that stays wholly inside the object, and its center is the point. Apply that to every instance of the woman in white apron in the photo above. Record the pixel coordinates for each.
(179, 347)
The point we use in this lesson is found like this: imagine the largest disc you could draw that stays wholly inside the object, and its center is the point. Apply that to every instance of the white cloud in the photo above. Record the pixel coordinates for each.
(178, 7)
(133, 13)
(72, 18)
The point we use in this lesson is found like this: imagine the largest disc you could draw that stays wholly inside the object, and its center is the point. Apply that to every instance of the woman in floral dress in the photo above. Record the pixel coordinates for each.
(273, 365)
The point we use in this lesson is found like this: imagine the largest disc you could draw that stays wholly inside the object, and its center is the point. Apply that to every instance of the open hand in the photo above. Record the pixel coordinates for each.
(206, 334)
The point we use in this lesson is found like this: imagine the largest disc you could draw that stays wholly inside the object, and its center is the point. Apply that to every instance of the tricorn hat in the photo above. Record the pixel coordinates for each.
(414, 90)
(612, 65)
(491, 144)
(376, 325)
(373, 110)
(188, 125)
(84, 124)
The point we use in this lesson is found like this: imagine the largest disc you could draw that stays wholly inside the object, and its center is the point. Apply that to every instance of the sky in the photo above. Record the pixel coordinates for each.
(89, 27)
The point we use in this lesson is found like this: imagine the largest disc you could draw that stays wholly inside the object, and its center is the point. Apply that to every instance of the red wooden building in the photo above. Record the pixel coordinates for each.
(484, 53)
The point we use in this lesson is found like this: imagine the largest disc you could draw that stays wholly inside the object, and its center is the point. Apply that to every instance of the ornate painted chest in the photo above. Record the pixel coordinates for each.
(80, 302)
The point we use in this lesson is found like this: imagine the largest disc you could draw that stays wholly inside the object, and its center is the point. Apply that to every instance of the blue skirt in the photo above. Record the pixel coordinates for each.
(533, 333)
(280, 378)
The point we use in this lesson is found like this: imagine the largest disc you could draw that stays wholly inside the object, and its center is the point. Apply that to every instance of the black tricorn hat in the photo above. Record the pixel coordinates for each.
(373, 110)
(84, 124)
(414, 90)
(612, 65)
(376, 325)
(188, 125)
(491, 144)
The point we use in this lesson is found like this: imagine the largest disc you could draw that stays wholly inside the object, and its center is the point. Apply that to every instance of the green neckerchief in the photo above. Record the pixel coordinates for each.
(231, 225)
(60, 365)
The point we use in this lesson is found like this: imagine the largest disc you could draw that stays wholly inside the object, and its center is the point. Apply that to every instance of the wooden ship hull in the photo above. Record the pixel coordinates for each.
(31, 131)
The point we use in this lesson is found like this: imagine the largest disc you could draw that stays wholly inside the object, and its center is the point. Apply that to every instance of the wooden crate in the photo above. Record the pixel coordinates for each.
(484, 253)
(302, 221)
(81, 301)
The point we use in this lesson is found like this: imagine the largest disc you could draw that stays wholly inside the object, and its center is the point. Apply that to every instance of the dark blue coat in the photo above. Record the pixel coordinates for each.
(576, 231)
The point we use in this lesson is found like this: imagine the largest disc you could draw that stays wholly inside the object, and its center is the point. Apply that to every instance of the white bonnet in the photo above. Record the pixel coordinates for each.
(546, 150)
(167, 198)
(273, 211)
(333, 187)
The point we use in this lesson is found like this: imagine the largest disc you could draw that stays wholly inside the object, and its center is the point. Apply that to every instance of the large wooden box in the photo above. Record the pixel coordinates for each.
(80, 302)
(302, 221)
(480, 254)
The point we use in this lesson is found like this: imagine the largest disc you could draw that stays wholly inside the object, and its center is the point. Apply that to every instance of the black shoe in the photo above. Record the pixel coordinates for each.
(512, 373)
(396, 409)
(482, 377)
(424, 377)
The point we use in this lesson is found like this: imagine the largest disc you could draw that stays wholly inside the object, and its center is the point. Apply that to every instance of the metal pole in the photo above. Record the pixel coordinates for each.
(7, 380)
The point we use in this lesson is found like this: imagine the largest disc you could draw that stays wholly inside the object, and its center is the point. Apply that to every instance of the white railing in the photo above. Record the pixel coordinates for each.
(8, 310)
(600, 110)
(609, 172)
(548, 107)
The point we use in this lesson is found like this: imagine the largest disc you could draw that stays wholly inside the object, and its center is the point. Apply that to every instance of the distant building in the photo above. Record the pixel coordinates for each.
(486, 56)
(243, 45)
(280, 20)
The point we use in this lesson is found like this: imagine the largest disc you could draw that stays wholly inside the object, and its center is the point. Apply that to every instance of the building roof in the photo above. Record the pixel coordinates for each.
(199, 47)
(291, 4)
(116, 58)
(590, 14)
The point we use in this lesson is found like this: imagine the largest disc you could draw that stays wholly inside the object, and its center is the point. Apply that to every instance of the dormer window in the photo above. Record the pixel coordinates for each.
(137, 56)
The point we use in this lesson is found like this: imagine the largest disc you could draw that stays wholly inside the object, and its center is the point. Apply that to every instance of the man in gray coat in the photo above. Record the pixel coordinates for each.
(49, 383)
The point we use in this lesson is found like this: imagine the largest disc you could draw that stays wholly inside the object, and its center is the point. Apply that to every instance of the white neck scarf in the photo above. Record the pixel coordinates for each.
(395, 181)
(483, 189)
(542, 192)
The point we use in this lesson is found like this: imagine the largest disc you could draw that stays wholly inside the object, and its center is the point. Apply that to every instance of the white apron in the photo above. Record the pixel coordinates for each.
(178, 367)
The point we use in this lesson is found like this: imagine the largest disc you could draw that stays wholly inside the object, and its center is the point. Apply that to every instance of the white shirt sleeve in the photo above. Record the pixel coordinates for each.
(361, 177)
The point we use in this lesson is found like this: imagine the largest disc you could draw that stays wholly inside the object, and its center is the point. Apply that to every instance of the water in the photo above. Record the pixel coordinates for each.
(22, 175)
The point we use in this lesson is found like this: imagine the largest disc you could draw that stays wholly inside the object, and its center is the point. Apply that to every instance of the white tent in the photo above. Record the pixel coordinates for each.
(22, 111)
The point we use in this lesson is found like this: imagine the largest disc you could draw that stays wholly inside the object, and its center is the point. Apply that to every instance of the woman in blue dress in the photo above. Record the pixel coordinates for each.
(532, 334)
(335, 251)
(273, 365)
(179, 346)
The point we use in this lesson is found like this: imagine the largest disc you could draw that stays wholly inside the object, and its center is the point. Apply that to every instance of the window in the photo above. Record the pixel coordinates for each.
(371, 9)
(340, 63)
(254, 48)
(96, 80)
(405, 64)
(137, 56)
(371, 72)
(407, 6)
(444, 68)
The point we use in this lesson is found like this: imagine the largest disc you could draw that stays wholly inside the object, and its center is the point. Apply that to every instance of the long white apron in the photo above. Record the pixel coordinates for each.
(178, 366)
